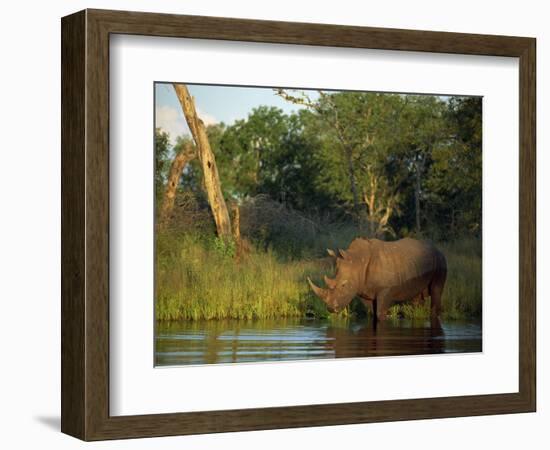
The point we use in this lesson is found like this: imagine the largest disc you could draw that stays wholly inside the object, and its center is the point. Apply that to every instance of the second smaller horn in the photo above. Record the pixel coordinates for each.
(330, 282)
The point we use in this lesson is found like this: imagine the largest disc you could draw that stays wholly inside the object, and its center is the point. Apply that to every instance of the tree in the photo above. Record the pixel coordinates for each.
(347, 118)
(354, 133)
(247, 149)
(454, 183)
(207, 159)
(267, 153)
(381, 203)
(185, 154)
(424, 130)
(393, 163)
(162, 161)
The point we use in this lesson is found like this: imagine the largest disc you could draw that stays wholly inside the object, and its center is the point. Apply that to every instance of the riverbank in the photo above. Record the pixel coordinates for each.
(199, 279)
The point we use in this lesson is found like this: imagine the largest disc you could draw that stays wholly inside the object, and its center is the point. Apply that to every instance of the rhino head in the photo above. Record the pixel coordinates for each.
(345, 286)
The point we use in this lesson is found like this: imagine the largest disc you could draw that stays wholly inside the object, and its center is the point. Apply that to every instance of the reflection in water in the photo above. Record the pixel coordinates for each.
(227, 341)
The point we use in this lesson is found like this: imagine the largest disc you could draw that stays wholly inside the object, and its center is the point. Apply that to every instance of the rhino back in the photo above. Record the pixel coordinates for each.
(398, 263)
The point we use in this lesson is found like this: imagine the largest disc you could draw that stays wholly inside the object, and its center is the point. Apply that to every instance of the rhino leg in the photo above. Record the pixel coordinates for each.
(436, 291)
(437, 285)
(382, 304)
(421, 297)
(369, 305)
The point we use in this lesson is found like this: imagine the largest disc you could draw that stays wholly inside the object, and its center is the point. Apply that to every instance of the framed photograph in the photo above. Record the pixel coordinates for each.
(273, 225)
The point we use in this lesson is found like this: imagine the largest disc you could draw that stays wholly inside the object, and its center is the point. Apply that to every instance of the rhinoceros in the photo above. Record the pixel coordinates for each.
(381, 273)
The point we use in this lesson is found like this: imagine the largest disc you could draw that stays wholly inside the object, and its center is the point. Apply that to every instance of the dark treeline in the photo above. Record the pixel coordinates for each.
(392, 165)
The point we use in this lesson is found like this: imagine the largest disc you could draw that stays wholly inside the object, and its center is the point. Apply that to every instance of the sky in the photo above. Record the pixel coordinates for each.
(214, 104)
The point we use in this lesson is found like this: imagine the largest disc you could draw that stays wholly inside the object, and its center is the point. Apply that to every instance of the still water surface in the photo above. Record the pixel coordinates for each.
(227, 341)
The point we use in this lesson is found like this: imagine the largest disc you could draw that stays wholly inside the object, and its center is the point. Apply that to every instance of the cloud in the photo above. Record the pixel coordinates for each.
(208, 119)
(172, 121)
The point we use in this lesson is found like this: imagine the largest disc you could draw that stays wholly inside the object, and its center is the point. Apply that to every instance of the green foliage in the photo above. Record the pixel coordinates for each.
(266, 154)
(194, 281)
(463, 290)
(421, 152)
(197, 278)
(453, 185)
(248, 149)
(162, 160)
(191, 178)
(225, 247)
(400, 144)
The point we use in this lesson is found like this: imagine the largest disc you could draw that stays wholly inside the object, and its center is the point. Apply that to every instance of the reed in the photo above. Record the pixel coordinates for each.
(198, 279)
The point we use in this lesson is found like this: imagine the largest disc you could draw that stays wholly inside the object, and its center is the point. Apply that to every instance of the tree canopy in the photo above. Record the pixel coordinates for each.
(393, 164)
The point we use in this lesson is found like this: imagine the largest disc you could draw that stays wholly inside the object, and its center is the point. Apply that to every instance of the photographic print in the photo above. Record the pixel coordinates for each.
(296, 224)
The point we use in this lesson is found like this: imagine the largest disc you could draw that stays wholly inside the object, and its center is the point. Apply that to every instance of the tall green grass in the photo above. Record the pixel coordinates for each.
(463, 290)
(197, 278)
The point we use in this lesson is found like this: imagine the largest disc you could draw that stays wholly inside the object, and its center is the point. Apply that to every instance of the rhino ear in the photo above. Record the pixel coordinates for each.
(343, 254)
(331, 252)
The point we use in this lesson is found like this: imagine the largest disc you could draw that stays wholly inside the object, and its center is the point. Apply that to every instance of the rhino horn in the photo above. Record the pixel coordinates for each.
(330, 282)
(321, 293)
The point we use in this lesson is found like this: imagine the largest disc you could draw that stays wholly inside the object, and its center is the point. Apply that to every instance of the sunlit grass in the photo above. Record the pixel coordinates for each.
(195, 280)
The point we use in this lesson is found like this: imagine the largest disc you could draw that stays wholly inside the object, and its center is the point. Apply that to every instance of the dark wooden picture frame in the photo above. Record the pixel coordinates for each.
(85, 224)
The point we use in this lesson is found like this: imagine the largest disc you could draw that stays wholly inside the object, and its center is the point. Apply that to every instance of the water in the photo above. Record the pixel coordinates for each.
(231, 341)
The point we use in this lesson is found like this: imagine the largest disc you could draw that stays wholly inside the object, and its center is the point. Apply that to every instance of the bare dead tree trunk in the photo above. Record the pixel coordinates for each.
(176, 168)
(208, 162)
(380, 206)
(236, 223)
(351, 173)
